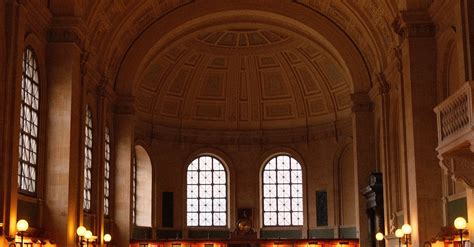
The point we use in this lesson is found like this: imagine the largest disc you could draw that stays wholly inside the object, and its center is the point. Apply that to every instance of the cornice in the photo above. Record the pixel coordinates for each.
(245, 137)
(67, 30)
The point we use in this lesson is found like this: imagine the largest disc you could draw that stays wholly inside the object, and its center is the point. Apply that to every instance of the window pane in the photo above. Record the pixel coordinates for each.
(192, 219)
(192, 177)
(270, 218)
(193, 205)
(107, 172)
(205, 219)
(219, 191)
(219, 177)
(206, 192)
(29, 124)
(219, 205)
(282, 192)
(220, 219)
(284, 218)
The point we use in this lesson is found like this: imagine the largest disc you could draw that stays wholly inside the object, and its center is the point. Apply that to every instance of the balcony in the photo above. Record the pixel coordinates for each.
(455, 120)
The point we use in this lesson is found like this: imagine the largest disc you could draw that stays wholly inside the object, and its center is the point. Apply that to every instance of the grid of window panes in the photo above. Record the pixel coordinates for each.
(282, 192)
(206, 192)
(134, 188)
(107, 173)
(29, 123)
(88, 160)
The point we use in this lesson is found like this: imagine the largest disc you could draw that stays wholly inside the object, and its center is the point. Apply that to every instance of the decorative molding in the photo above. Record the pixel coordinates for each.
(245, 137)
(381, 86)
(414, 24)
(66, 35)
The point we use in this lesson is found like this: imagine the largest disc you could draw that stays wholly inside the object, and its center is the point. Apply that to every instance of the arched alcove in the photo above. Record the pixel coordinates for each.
(143, 179)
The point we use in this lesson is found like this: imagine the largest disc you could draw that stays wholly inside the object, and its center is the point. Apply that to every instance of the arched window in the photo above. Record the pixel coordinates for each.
(206, 192)
(142, 176)
(107, 172)
(29, 124)
(282, 192)
(88, 141)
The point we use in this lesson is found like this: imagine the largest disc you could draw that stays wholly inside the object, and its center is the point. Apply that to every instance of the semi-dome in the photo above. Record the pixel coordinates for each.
(243, 77)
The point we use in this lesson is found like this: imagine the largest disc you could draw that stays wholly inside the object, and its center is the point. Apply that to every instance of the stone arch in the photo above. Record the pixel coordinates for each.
(163, 31)
(339, 163)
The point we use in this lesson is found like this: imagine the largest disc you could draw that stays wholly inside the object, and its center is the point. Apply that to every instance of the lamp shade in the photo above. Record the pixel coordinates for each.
(460, 223)
(107, 238)
(88, 234)
(399, 233)
(81, 231)
(379, 236)
(22, 225)
(406, 229)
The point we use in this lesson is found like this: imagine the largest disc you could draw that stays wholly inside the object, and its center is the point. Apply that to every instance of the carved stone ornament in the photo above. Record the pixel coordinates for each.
(414, 24)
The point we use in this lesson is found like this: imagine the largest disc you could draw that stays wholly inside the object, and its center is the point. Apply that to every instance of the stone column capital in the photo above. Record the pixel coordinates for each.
(414, 24)
(66, 30)
(380, 87)
(124, 105)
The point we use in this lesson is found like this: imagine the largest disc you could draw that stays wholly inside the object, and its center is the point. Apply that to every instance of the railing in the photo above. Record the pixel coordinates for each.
(455, 115)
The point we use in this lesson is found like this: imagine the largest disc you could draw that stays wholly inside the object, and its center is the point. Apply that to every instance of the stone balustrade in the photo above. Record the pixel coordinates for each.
(455, 116)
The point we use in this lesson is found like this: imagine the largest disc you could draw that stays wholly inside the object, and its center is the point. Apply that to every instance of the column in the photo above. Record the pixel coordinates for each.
(64, 134)
(364, 159)
(124, 143)
(422, 194)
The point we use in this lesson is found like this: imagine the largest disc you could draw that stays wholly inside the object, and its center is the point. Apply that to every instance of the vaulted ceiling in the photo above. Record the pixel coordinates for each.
(243, 76)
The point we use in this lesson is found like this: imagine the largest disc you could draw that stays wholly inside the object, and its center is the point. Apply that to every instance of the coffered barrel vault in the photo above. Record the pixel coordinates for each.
(244, 77)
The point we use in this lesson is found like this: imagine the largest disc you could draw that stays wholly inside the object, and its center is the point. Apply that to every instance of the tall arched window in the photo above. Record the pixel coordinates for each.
(88, 141)
(282, 192)
(206, 192)
(29, 124)
(107, 172)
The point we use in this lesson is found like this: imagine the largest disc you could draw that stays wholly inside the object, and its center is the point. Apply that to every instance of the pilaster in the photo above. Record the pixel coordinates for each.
(364, 159)
(423, 177)
(124, 143)
(64, 149)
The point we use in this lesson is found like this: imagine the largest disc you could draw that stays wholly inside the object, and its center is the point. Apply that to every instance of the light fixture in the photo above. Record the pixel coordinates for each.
(406, 229)
(460, 224)
(21, 226)
(379, 236)
(88, 236)
(107, 239)
(399, 235)
(81, 232)
(403, 235)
